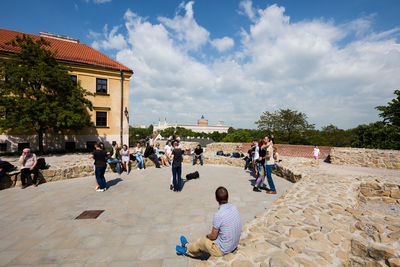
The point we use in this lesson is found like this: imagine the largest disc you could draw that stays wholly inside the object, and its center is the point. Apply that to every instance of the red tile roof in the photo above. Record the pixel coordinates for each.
(66, 51)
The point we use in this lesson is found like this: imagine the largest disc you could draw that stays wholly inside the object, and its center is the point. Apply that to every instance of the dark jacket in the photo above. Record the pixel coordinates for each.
(149, 151)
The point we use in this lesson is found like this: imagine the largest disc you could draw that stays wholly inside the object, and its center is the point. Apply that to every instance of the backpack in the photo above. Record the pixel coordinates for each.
(220, 153)
(193, 175)
(41, 164)
(7, 166)
(132, 157)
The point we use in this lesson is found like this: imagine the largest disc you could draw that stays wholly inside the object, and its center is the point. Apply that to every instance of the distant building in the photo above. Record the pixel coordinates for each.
(201, 126)
(96, 73)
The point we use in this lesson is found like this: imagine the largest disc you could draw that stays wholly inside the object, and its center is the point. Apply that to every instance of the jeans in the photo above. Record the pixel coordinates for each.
(177, 180)
(153, 158)
(26, 172)
(269, 177)
(195, 159)
(115, 161)
(99, 171)
(139, 159)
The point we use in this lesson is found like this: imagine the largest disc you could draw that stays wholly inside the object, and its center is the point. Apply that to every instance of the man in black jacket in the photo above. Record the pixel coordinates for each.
(149, 153)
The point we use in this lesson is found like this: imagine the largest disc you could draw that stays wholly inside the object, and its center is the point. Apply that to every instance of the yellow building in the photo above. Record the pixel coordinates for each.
(96, 73)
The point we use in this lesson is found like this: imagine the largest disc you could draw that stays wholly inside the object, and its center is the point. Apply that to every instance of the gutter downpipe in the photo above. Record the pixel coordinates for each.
(122, 108)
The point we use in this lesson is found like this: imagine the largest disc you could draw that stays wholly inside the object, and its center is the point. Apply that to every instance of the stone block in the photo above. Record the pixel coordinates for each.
(359, 248)
(395, 194)
(380, 253)
(394, 262)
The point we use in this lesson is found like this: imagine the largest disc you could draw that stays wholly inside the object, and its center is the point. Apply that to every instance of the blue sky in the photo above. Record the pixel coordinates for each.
(232, 60)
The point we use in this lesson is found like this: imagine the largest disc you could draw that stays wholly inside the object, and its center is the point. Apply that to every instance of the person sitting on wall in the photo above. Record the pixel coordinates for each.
(28, 166)
(115, 157)
(150, 153)
(198, 154)
(225, 233)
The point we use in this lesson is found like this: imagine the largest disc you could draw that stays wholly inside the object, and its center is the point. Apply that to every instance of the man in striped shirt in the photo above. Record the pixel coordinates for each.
(225, 233)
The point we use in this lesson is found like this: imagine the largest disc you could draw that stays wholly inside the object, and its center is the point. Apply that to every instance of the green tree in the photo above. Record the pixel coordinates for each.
(37, 92)
(391, 112)
(377, 135)
(284, 120)
(242, 136)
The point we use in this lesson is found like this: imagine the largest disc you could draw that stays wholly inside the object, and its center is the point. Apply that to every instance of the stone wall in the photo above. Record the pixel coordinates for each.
(376, 158)
(212, 148)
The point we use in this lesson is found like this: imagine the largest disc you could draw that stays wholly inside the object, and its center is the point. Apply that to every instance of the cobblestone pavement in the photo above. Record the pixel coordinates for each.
(141, 224)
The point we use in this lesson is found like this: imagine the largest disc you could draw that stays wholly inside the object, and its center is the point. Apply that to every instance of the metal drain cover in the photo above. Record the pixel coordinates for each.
(89, 214)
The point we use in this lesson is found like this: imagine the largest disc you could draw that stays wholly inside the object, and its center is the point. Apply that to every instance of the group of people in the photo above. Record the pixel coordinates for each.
(263, 155)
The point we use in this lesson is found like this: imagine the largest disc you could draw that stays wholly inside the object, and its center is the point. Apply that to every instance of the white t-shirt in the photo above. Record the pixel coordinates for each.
(316, 152)
(256, 153)
(168, 150)
(271, 160)
(137, 150)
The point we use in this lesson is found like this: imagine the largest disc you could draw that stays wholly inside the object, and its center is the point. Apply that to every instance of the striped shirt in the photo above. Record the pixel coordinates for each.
(227, 220)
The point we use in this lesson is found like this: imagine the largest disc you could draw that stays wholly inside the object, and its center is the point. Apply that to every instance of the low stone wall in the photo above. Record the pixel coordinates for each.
(320, 221)
(376, 158)
(212, 148)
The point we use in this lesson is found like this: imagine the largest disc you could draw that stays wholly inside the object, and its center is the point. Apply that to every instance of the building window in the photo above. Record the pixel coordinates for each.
(22, 146)
(90, 145)
(74, 79)
(101, 86)
(70, 146)
(3, 147)
(101, 119)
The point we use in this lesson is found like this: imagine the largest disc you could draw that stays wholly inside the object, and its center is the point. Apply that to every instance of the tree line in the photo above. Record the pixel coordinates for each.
(292, 127)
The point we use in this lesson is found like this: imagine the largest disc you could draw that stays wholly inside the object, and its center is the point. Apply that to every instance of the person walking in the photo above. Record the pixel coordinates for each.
(100, 163)
(176, 158)
(225, 233)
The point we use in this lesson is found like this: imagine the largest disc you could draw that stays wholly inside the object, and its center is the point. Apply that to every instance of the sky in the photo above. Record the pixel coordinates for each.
(231, 60)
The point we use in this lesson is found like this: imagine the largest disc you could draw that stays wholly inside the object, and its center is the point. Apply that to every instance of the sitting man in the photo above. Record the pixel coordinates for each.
(225, 234)
(115, 157)
(198, 154)
(151, 154)
(28, 166)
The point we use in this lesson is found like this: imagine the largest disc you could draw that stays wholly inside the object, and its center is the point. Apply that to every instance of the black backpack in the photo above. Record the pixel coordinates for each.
(220, 153)
(6, 166)
(41, 164)
(193, 175)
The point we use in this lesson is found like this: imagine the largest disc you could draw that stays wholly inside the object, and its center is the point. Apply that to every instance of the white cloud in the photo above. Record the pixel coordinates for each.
(186, 30)
(306, 66)
(223, 44)
(111, 40)
(246, 8)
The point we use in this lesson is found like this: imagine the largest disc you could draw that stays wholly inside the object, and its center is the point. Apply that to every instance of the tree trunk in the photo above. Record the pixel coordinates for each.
(289, 136)
(40, 141)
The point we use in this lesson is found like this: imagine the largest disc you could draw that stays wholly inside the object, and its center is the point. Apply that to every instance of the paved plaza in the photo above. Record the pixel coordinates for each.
(141, 223)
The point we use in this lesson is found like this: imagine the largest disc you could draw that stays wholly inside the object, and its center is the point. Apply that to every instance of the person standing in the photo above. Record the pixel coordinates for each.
(225, 233)
(260, 161)
(198, 154)
(28, 166)
(100, 163)
(316, 152)
(125, 158)
(269, 164)
(176, 158)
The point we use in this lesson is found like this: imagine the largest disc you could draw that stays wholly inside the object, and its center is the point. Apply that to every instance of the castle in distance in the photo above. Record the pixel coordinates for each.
(201, 126)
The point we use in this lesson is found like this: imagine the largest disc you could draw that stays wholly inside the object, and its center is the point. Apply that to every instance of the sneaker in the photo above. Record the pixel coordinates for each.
(184, 241)
(100, 190)
(171, 187)
(180, 250)
(138, 169)
(271, 192)
(255, 189)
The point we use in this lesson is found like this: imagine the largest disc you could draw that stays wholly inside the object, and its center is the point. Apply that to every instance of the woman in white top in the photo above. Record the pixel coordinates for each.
(125, 158)
(139, 156)
(316, 153)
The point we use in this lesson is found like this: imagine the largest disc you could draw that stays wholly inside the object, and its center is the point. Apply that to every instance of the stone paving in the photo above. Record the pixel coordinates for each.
(141, 224)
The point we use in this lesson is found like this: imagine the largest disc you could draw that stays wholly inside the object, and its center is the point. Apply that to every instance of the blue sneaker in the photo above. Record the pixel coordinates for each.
(183, 241)
(181, 251)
